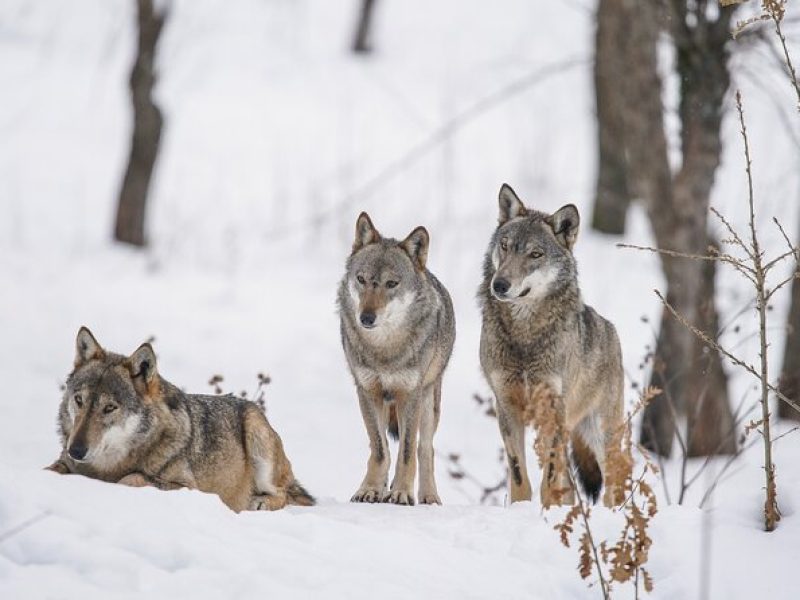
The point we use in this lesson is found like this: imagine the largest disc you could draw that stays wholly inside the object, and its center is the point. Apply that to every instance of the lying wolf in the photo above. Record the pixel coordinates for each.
(541, 343)
(120, 421)
(398, 329)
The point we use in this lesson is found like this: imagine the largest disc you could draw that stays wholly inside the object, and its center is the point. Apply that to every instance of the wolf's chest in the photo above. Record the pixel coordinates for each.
(388, 379)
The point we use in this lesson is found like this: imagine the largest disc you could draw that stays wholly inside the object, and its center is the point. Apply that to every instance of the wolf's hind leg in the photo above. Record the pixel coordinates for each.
(375, 412)
(512, 430)
(428, 420)
(616, 465)
(408, 414)
(267, 501)
(588, 455)
(272, 471)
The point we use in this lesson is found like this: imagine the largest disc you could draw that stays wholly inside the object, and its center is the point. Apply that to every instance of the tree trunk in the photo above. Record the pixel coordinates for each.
(147, 123)
(790, 373)
(690, 375)
(611, 194)
(361, 41)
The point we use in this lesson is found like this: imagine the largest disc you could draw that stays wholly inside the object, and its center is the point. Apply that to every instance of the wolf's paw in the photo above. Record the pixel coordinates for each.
(430, 498)
(399, 497)
(367, 495)
(58, 467)
(134, 480)
(267, 502)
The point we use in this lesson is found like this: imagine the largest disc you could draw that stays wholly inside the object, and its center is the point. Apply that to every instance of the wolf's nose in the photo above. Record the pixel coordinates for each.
(77, 451)
(501, 286)
(367, 319)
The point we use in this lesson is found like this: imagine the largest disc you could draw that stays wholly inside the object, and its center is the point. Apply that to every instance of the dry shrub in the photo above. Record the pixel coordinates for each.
(621, 560)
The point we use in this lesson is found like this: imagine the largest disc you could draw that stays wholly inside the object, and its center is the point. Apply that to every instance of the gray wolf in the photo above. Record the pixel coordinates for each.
(398, 329)
(540, 343)
(121, 422)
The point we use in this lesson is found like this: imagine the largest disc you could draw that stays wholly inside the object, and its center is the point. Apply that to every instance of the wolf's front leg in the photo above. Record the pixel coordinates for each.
(556, 486)
(135, 480)
(428, 420)
(142, 480)
(375, 412)
(59, 466)
(512, 430)
(402, 490)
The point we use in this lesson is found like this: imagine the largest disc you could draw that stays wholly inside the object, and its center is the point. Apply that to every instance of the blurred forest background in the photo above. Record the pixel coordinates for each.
(221, 137)
(190, 171)
(633, 164)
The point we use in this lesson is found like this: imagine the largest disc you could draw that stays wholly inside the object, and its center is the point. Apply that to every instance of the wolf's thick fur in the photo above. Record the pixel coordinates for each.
(539, 335)
(120, 421)
(398, 329)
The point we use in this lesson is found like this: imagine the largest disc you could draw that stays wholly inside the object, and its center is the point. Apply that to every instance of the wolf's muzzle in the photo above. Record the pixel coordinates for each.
(501, 286)
(77, 452)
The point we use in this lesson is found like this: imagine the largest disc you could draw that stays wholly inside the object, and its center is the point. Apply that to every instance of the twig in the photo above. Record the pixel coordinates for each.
(737, 264)
(422, 148)
(794, 249)
(789, 279)
(731, 230)
(731, 459)
(585, 516)
(776, 19)
(738, 362)
(776, 260)
(785, 433)
(736, 422)
(6, 535)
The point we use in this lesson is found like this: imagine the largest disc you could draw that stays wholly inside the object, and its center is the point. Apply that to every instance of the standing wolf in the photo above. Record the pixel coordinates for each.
(398, 329)
(120, 421)
(540, 344)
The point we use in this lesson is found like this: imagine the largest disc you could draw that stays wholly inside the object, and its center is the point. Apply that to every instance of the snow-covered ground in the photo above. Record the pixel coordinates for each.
(276, 137)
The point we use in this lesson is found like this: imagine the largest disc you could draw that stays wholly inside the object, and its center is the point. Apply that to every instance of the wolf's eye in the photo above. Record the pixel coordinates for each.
(504, 245)
(78, 400)
(536, 254)
(109, 408)
(391, 284)
(361, 280)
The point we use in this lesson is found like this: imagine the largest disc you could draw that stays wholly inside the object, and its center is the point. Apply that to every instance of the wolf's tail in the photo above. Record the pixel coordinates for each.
(298, 495)
(394, 426)
(589, 474)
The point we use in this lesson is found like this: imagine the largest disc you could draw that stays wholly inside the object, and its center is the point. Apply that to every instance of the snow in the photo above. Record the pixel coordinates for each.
(274, 138)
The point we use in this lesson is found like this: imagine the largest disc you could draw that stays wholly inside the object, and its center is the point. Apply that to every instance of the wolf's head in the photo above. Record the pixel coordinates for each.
(530, 255)
(384, 276)
(104, 412)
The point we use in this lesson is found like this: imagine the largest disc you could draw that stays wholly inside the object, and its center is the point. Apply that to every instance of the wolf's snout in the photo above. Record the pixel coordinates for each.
(77, 451)
(367, 319)
(501, 286)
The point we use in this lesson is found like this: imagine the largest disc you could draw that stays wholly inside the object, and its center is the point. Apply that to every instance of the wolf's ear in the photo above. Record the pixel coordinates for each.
(416, 246)
(87, 347)
(365, 233)
(511, 206)
(142, 364)
(565, 222)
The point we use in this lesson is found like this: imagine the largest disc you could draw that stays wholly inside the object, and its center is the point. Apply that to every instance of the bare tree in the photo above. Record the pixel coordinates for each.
(688, 371)
(611, 194)
(361, 41)
(147, 123)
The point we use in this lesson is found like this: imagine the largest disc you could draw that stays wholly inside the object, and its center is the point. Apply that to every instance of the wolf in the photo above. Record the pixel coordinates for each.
(540, 343)
(398, 330)
(121, 422)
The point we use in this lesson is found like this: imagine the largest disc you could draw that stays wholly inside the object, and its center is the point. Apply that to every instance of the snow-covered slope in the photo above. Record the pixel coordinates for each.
(275, 139)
